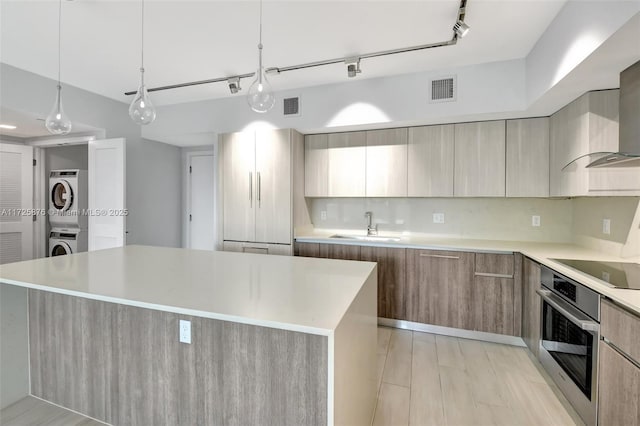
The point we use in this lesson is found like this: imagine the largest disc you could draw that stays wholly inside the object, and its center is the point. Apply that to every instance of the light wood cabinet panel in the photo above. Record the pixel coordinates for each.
(238, 175)
(430, 161)
(528, 157)
(620, 327)
(257, 248)
(480, 159)
(491, 263)
(273, 187)
(340, 251)
(316, 165)
(531, 306)
(618, 389)
(347, 164)
(439, 285)
(391, 279)
(386, 163)
(493, 305)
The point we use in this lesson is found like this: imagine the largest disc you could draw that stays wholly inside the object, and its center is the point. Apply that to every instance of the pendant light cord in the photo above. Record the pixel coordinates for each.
(142, 39)
(260, 47)
(59, 36)
(260, 44)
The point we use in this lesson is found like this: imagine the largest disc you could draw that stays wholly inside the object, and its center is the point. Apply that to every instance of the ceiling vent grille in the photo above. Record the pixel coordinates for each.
(291, 106)
(443, 90)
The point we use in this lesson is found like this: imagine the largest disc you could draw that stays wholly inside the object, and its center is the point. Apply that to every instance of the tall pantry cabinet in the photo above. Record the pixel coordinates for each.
(262, 178)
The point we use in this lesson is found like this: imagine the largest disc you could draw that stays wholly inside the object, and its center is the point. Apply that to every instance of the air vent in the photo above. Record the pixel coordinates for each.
(292, 106)
(443, 90)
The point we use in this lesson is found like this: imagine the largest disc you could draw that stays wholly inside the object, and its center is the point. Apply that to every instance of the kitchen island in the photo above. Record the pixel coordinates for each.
(274, 339)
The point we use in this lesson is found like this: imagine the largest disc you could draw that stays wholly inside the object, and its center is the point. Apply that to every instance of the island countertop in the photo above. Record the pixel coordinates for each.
(291, 293)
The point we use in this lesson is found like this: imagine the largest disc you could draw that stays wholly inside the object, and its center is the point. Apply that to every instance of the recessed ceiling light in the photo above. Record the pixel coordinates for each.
(7, 126)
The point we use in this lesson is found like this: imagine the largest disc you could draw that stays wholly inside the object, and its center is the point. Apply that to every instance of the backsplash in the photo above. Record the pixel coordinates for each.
(481, 218)
(624, 216)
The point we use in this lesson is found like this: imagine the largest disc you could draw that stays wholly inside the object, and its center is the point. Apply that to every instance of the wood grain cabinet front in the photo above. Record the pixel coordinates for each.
(618, 389)
(531, 305)
(392, 294)
(439, 285)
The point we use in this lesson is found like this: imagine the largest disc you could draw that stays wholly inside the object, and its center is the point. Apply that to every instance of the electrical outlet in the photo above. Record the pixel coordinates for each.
(185, 331)
(535, 220)
(323, 215)
(438, 218)
(606, 226)
(605, 276)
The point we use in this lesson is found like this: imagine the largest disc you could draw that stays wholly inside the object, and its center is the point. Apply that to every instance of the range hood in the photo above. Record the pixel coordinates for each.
(629, 145)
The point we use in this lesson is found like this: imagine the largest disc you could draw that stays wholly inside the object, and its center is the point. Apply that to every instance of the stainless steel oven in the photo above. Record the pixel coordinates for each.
(570, 332)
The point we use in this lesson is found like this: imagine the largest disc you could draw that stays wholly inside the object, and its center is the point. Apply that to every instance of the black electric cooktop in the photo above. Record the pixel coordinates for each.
(616, 274)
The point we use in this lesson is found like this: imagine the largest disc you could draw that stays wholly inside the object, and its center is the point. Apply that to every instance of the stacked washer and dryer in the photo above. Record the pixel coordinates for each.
(67, 212)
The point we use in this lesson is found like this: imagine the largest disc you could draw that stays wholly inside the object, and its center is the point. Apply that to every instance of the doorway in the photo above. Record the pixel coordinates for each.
(200, 201)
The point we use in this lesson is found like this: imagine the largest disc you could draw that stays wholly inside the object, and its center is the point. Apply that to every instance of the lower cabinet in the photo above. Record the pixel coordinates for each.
(439, 287)
(391, 279)
(258, 248)
(531, 305)
(619, 389)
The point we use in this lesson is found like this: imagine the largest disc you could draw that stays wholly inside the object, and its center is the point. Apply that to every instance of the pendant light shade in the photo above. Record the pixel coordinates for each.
(261, 97)
(141, 109)
(57, 122)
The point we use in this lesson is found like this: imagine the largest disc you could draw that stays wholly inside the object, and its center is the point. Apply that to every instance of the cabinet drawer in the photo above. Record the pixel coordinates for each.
(618, 390)
(495, 265)
(621, 328)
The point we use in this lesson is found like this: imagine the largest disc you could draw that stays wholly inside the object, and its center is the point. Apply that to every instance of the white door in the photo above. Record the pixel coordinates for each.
(16, 203)
(201, 208)
(107, 194)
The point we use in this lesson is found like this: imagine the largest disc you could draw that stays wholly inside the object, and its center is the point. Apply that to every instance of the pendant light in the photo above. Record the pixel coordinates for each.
(57, 122)
(261, 98)
(141, 109)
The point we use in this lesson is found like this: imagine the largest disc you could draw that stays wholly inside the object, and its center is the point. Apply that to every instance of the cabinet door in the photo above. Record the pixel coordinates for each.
(531, 306)
(493, 305)
(386, 163)
(618, 389)
(569, 138)
(238, 182)
(347, 164)
(528, 157)
(273, 187)
(439, 287)
(316, 166)
(430, 161)
(391, 279)
(307, 249)
(340, 251)
(480, 159)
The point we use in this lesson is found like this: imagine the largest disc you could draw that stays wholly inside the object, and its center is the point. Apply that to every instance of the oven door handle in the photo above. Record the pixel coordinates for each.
(564, 308)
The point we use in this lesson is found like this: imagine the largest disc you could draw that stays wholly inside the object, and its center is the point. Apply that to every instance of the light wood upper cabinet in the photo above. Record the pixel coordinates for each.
(528, 157)
(238, 174)
(430, 161)
(347, 164)
(273, 187)
(480, 159)
(386, 163)
(316, 165)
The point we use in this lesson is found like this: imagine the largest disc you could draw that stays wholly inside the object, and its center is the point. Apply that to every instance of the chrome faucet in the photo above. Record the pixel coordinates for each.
(371, 230)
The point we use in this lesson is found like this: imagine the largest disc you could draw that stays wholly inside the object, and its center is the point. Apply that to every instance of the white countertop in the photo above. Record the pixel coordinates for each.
(291, 293)
(540, 252)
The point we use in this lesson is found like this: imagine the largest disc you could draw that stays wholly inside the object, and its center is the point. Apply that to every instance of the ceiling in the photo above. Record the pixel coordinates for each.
(30, 125)
(195, 40)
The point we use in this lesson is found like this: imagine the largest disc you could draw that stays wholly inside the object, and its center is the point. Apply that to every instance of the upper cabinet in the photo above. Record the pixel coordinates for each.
(386, 163)
(479, 159)
(588, 125)
(316, 165)
(430, 161)
(347, 159)
(528, 157)
(258, 185)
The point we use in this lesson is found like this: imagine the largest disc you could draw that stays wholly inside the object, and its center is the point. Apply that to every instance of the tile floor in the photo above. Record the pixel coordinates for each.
(32, 411)
(426, 379)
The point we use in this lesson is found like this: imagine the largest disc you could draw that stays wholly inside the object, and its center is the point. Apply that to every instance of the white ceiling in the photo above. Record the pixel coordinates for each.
(30, 125)
(195, 40)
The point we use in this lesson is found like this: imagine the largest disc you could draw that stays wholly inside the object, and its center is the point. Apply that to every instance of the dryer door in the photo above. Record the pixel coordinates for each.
(61, 196)
(60, 248)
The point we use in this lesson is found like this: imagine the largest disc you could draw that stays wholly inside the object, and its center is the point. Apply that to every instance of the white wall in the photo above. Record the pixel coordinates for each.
(482, 218)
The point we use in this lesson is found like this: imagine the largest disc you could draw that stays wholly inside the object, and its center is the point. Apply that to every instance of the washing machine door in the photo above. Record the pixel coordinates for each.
(60, 248)
(61, 196)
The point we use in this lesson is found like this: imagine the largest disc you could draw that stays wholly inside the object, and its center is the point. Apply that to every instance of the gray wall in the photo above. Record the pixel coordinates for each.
(14, 352)
(150, 165)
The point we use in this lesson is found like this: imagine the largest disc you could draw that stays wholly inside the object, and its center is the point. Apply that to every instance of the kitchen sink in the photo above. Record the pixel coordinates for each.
(378, 238)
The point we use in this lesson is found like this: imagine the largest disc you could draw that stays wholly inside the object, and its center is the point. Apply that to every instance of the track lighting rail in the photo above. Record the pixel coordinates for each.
(278, 70)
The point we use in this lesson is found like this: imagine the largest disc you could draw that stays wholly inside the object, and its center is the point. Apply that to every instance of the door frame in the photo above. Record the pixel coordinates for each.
(186, 223)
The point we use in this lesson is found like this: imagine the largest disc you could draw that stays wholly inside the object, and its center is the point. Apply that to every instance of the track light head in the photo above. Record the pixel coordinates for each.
(234, 85)
(353, 67)
(461, 29)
